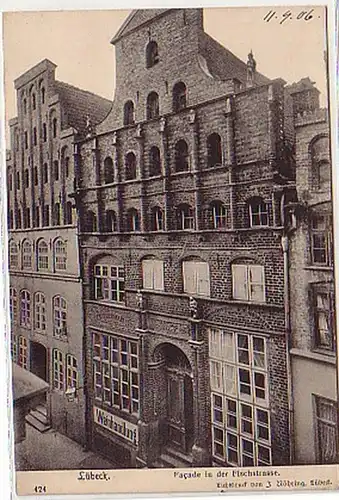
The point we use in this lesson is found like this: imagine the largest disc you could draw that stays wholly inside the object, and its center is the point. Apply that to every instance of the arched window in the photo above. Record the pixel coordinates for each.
(27, 251)
(69, 213)
(258, 212)
(108, 170)
(214, 155)
(25, 309)
(60, 255)
(152, 110)
(133, 221)
(219, 215)
(181, 156)
(25, 106)
(55, 127)
(90, 222)
(321, 171)
(66, 167)
(42, 255)
(56, 214)
(179, 96)
(185, 218)
(130, 167)
(111, 222)
(154, 161)
(43, 95)
(40, 312)
(157, 219)
(56, 170)
(59, 316)
(152, 55)
(13, 254)
(13, 303)
(129, 113)
(33, 101)
(44, 132)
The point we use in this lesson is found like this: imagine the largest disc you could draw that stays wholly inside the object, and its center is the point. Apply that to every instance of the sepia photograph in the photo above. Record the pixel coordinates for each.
(170, 241)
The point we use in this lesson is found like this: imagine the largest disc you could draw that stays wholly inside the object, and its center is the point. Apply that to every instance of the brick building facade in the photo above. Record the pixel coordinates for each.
(181, 196)
(45, 287)
(313, 339)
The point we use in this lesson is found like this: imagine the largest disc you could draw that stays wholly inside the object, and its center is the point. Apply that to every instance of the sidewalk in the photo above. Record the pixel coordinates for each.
(54, 451)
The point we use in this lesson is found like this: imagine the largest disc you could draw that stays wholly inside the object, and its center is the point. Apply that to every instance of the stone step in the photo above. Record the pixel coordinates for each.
(39, 416)
(37, 424)
(42, 409)
(179, 455)
(172, 461)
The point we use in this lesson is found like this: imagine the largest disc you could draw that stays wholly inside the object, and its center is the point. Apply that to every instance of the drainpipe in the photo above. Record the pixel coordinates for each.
(285, 248)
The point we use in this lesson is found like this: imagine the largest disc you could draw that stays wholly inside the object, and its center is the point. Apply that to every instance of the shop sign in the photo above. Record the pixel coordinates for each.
(117, 425)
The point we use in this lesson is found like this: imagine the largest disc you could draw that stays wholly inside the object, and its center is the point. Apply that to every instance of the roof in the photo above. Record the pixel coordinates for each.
(303, 84)
(224, 64)
(26, 384)
(78, 104)
(137, 18)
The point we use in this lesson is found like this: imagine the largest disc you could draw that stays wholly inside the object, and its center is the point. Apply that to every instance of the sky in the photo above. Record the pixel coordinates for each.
(290, 46)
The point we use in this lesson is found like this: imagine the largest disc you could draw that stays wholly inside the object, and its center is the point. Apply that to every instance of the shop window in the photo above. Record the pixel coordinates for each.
(60, 255)
(219, 215)
(154, 162)
(258, 212)
(43, 252)
(196, 278)
(323, 303)
(129, 113)
(116, 372)
(27, 254)
(152, 54)
(25, 309)
(321, 239)
(109, 282)
(157, 219)
(152, 110)
(130, 167)
(214, 153)
(108, 170)
(241, 433)
(153, 274)
(181, 156)
(248, 282)
(133, 221)
(59, 317)
(185, 218)
(179, 96)
(326, 425)
(40, 312)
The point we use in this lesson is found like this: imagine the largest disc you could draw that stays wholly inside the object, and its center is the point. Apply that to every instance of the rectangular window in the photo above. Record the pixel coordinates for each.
(153, 274)
(248, 282)
(14, 348)
(22, 359)
(13, 303)
(326, 430)
(72, 372)
(196, 278)
(240, 415)
(58, 370)
(321, 240)
(109, 283)
(116, 372)
(324, 317)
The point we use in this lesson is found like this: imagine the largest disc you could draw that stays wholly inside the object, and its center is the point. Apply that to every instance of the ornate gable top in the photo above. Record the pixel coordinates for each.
(136, 19)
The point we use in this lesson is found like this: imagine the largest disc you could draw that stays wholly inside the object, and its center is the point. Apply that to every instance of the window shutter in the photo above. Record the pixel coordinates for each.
(240, 285)
(158, 275)
(189, 277)
(203, 278)
(147, 271)
(256, 281)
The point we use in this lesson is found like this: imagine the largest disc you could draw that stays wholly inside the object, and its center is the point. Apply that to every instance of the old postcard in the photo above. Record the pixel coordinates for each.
(171, 250)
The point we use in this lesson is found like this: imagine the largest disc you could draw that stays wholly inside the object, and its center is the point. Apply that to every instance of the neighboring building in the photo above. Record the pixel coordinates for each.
(45, 286)
(181, 197)
(313, 334)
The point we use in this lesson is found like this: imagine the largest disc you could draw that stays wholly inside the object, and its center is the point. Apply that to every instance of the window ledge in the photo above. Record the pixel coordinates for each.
(320, 356)
(314, 267)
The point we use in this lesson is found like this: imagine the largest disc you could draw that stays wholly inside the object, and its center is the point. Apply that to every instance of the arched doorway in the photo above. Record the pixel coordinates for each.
(179, 397)
(38, 360)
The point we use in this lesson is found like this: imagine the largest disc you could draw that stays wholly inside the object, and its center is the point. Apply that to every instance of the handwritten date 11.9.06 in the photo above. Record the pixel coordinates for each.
(305, 15)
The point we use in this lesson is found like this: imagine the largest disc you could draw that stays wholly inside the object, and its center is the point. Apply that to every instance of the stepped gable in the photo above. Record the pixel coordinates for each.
(135, 19)
(78, 104)
(223, 64)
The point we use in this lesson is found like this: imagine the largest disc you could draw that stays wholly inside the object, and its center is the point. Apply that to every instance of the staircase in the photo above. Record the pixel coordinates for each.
(172, 459)
(38, 419)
